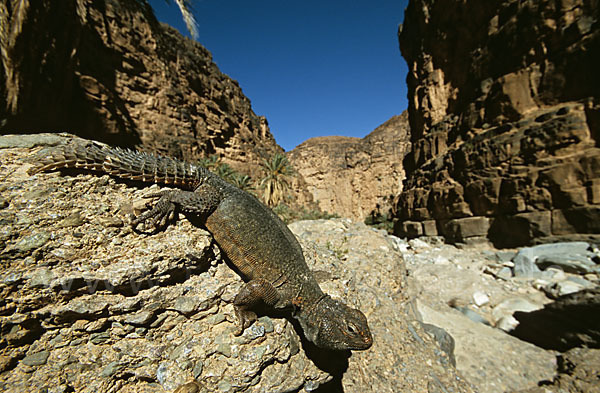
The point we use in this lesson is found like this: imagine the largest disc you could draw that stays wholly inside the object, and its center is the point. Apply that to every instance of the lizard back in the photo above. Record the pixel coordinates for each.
(261, 246)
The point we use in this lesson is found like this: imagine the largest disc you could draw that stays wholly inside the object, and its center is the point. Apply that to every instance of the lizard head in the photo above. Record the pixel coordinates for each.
(333, 325)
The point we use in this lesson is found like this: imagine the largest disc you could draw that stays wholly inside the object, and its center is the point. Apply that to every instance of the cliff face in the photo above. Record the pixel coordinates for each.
(107, 70)
(346, 175)
(504, 112)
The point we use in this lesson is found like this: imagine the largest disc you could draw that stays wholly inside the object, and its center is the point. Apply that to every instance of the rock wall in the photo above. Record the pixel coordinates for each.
(355, 177)
(504, 110)
(107, 70)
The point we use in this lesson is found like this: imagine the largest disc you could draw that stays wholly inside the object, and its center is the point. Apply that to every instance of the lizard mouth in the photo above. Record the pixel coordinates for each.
(364, 341)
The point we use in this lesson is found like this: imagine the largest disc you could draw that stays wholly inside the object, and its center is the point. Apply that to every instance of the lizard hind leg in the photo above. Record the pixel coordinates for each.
(251, 294)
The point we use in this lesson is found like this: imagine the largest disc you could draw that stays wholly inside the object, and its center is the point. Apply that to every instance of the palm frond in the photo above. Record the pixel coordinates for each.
(185, 6)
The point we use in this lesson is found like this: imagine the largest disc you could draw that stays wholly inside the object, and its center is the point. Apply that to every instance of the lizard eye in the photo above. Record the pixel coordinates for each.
(352, 329)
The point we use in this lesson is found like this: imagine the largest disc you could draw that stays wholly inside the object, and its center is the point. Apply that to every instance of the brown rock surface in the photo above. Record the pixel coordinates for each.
(88, 305)
(504, 105)
(107, 70)
(354, 177)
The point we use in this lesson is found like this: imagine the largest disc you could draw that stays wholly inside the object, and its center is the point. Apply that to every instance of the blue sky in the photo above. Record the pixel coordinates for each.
(313, 68)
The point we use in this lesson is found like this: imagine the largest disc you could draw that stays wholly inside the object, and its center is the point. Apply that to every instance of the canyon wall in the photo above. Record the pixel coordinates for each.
(354, 177)
(504, 111)
(107, 70)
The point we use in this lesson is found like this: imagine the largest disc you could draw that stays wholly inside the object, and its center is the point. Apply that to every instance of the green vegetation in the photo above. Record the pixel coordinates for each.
(227, 173)
(210, 162)
(339, 251)
(275, 183)
(381, 221)
(243, 182)
(185, 6)
(275, 186)
(288, 214)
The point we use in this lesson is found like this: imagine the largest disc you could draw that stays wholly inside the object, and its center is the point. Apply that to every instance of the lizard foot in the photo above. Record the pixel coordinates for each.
(245, 319)
(159, 216)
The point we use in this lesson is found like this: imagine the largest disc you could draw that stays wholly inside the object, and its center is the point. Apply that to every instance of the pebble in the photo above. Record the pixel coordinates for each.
(505, 273)
(507, 323)
(480, 298)
(139, 318)
(36, 359)
(186, 304)
(198, 367)
(72, 220)
(561, 288)
(32, 242)
(99, 338)
(41, 278)
(110, 369)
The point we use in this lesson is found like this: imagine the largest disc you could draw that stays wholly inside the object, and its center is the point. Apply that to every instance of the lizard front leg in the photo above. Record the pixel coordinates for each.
(251, 294)
(201, 201)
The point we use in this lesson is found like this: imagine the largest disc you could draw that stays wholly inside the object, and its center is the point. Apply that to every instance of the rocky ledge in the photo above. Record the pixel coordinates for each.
(88, 305)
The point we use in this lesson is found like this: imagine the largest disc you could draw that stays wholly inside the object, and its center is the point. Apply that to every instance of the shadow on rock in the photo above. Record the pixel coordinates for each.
(332, 362)
(571, 321)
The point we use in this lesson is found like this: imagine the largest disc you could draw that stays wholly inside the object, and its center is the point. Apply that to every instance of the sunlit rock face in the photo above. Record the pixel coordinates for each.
(504, 111)
(355, 177)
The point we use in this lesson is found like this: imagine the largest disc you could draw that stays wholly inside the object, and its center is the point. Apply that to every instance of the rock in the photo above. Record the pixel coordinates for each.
(505, 273)
(477, 347)
(36, 359)
(580, 264)
(114, 295)
(30, 243)
(573, 257)
(566, 286)
(525, 263)
(190, 387)
(572, 320)
(507, 323)
(504, 130)
(578, 371)
(444, 340)
(556, 290)
(375, 273)
(508, 307)
(419, 244)
(480, 298)
(346, 175)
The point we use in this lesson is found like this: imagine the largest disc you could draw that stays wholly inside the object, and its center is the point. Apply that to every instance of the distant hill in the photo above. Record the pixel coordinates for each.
(353, 177)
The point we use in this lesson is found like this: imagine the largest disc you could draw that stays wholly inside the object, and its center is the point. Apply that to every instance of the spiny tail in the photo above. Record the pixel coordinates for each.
(122, 163)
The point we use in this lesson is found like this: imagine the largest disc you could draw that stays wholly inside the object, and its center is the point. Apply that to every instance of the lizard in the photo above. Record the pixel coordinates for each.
(256, 241)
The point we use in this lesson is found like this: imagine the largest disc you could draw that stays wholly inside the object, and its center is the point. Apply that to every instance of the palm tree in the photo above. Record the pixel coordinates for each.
(210, 162)
(226, 172)
(243, 182)
(275, 183)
